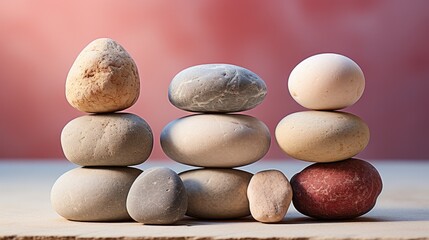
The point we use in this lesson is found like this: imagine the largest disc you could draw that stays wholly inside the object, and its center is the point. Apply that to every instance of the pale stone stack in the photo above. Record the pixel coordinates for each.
(325, 83)
(215, 139)
(103, 80)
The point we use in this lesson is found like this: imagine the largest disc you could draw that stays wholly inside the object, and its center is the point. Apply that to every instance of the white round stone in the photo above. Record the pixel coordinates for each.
(326, 81)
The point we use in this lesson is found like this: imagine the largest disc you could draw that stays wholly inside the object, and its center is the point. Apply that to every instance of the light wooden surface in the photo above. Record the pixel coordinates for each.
(402, 211)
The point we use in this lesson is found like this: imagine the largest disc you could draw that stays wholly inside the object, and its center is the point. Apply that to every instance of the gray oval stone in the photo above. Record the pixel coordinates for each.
(116, 139)
(216, 140)
(93, 194)
(216, 193)
(157, 196)
(216, 88)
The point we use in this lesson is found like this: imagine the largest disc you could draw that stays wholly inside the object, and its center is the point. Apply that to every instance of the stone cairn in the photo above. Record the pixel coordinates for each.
(102, 80)
(336, 186)
(218, 141)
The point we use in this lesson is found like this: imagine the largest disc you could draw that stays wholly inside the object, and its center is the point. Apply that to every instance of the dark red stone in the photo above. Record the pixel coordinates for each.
(336, 190)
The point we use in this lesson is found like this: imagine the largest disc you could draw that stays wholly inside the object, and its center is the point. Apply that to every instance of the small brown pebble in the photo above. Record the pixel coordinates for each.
(270, 195)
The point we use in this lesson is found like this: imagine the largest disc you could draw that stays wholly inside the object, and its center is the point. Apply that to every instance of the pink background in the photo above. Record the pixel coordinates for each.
(39, 41)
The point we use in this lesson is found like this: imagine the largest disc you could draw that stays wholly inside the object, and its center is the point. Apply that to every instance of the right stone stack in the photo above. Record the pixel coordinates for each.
(336, 186)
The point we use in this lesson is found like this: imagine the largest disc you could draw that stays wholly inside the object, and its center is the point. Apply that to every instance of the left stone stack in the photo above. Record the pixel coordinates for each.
(102, 80)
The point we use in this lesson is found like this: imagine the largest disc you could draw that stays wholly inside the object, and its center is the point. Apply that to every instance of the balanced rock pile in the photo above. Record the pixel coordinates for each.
(102, 80)
(217, 140)
(336, 186)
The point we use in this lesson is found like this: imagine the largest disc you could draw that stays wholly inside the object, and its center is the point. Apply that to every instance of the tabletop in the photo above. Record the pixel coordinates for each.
(402, 210)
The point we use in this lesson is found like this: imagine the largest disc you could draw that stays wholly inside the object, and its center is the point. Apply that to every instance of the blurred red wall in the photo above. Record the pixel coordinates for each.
(39, 41)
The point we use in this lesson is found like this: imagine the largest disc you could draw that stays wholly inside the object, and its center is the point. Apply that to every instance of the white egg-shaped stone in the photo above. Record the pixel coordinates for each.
(326, 81)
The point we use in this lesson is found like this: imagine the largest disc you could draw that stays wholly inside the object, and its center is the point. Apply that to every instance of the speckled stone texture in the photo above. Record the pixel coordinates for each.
(103, 78)
(337, 190)
(157, 196)
(114, 139)
(216, 88)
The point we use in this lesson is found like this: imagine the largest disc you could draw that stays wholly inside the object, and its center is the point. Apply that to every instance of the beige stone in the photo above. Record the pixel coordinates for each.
(322, 136)
(216, 88)
(115, 139)
(326, 81)
(216, 140)
(103, 78)
(215, 193)
(93, 194)
(270, 195)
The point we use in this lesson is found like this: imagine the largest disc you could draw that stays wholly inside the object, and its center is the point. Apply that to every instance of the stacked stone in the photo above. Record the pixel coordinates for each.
(216, 139)
(337, 186)
(102, 80)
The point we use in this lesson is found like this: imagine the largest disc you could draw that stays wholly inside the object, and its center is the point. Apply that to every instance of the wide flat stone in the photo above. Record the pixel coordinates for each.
(322, 136)
(93, 194)
(216, 140)
(114, 139)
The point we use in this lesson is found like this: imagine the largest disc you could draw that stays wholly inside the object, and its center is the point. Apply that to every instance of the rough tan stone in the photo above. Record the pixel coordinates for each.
(103, 78)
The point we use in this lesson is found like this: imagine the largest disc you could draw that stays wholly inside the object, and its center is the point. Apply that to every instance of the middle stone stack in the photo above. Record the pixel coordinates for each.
(215, 139)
